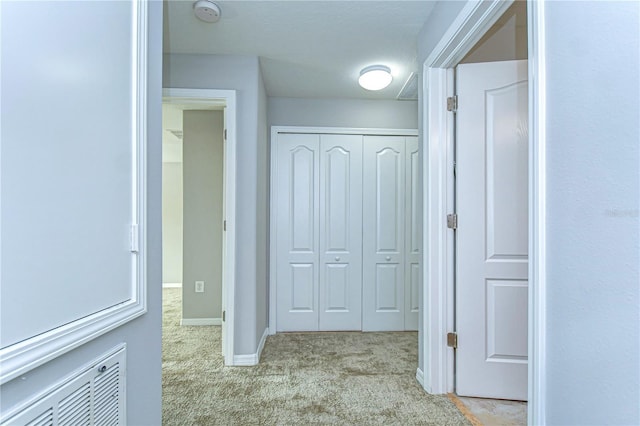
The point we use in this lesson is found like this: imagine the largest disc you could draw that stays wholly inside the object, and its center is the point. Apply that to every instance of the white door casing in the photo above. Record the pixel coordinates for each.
(383, 242)
(413, 234)
(492, 234)
(340, 271)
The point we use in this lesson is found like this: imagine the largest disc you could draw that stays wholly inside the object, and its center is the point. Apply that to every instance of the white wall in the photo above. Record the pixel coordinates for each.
(593, 200)
(240, 73)
(203, 149)
(142, 335)
(171, 194)
(343, 113)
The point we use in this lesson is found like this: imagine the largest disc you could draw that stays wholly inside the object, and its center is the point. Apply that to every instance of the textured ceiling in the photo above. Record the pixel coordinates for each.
(310, 49)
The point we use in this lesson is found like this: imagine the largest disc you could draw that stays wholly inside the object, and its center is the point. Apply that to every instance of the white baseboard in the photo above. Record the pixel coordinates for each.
(420, 377)
(201, 321)
(171, 285)
(252, 359)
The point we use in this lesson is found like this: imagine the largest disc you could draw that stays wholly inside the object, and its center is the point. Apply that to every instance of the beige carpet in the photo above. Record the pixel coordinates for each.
(302, 379)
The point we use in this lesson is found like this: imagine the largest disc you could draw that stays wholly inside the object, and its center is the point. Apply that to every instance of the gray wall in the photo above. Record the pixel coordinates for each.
(142, 335)
(343, 113)
(593, 231)
(203, 150)
(240, 73)
(262, 239)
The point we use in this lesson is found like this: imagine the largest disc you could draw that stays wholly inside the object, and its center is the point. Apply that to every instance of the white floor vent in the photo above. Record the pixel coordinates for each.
(94, 396)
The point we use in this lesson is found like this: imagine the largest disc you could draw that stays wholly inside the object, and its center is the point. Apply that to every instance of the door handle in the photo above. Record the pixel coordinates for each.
(388, 258)
(337, 258)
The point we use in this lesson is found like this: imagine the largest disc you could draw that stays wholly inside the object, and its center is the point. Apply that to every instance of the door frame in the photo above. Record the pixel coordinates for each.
(273, 205)
(437, 308)
(209, 97)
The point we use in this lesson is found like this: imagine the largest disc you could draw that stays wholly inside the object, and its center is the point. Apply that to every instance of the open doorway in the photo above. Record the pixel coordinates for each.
(477, 173)
(198, 212)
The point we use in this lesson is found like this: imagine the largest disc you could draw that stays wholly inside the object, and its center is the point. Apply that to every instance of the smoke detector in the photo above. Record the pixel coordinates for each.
(206, 11)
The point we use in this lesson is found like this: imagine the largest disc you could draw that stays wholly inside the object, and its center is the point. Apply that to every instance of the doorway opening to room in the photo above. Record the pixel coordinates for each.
(198, 228)
(481, 274)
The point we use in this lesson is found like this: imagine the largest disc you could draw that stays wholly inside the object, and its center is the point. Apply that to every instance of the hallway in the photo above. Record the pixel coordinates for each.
(303, 378)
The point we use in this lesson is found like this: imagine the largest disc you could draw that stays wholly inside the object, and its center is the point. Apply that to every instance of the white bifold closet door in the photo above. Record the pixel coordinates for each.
(319, 232)
(391, 240)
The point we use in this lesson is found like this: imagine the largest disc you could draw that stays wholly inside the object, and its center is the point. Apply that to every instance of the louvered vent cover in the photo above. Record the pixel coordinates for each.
(94, 396)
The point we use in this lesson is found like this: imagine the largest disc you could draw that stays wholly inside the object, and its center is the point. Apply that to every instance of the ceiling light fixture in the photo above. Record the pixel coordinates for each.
(206, 11)
(375, 77)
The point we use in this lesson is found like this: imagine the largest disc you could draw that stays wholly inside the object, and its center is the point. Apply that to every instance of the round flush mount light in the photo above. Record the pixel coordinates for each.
(206, 11)
(375, 77)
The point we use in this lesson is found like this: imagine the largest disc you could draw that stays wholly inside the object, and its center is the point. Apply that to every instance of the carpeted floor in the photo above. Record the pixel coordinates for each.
(303, 379)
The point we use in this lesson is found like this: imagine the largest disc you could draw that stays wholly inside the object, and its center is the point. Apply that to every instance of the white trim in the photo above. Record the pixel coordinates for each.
(438, 239)
(420, 376)
(366, 131)
(273, 207)
(252, 359)
(200, 321)
(209, 97)
(475, 19)
(171, 285)
(21, 357)
(537, 209)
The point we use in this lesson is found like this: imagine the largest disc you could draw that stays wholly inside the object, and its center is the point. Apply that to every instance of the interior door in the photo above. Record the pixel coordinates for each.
(297, 236)
(492, 233)
(413, 234)
(340, 232)
(384, 240)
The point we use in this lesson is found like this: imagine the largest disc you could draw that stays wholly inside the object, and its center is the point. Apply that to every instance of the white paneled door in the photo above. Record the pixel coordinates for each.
(492, 233)
(347, 232)
(384, 240)
(298, 232)
(319, 232)
(340, 232)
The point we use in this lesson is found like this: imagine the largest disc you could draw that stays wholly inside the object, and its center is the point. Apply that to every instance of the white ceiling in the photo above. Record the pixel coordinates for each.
(312, 49)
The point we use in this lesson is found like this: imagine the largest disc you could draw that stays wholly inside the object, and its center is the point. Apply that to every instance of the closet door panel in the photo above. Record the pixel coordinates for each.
(297, 236)
(340, 193)
(413, 229)
(384, 235)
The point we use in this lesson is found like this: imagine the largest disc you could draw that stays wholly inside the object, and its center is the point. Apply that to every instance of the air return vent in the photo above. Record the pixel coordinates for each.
(93, 396)
(409, 91)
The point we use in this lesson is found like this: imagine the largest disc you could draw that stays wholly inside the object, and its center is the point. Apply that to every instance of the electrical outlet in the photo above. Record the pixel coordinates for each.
(199, 286)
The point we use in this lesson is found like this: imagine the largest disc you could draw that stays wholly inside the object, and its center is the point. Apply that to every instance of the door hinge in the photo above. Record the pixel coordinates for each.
(452, 340)
(452, 221)
(225, 134)
(224, 225)
(224, 316)
(452, 103)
